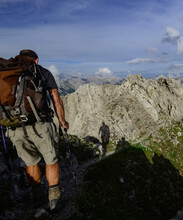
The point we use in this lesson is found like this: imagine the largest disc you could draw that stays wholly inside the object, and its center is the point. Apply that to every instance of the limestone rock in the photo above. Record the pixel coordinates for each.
(135, 109)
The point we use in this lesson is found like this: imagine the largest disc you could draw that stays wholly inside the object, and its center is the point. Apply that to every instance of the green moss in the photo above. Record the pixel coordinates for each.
(110, 147)
(166, 146)
(147, 151)
(149, 138)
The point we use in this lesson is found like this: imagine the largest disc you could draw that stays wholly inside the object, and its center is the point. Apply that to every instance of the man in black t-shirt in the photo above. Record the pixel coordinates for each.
(42, 139)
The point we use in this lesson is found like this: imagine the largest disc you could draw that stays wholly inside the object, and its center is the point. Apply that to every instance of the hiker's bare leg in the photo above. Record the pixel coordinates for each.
(52, 174)
(34, 174)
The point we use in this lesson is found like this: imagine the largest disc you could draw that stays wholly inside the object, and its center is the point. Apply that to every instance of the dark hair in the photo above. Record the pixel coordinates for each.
(28, 53)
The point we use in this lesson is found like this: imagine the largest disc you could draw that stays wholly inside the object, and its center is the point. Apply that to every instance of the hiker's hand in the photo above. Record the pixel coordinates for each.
(65, 125)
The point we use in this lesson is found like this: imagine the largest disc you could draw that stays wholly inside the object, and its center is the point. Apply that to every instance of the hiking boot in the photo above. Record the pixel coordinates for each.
(55, 204)
(54, 196)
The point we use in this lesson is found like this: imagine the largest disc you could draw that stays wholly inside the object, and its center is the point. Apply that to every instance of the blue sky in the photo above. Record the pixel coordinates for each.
(106, 37)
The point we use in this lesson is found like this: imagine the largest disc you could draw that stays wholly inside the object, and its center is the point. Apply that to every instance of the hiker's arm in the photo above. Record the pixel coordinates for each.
(59, 107)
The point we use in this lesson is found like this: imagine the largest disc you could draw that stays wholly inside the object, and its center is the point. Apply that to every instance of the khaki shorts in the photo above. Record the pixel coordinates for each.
(41, 142)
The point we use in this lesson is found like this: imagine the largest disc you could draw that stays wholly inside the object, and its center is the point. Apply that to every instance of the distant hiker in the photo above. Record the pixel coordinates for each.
(41, 137)
(105, 135)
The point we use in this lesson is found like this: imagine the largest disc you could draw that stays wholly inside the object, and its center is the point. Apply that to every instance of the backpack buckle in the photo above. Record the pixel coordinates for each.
(17, 111)
(23, 118)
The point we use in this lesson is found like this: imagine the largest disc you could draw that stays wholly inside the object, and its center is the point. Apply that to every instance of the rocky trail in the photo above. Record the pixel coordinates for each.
(19, 194)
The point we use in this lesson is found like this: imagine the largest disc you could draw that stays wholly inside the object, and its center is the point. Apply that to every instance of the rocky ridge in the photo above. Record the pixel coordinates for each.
(134, 110)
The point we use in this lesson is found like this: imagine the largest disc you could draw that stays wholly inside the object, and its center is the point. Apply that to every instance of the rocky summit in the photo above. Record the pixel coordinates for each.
(134, 110)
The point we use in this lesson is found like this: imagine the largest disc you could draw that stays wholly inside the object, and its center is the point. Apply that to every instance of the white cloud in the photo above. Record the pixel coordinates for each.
(171, 36)
(174, 37)
(145, 60)
(105, 71)
(54, 70)
(140, 60)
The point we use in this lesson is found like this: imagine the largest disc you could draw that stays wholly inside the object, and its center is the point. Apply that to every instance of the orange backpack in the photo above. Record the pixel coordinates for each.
(10, 71)
(18, 100)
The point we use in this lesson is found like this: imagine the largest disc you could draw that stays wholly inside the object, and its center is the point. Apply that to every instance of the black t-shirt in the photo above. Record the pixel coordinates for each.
(49, 81)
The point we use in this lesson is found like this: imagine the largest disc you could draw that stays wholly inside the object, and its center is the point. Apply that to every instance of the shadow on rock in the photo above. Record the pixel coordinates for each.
(127, 186)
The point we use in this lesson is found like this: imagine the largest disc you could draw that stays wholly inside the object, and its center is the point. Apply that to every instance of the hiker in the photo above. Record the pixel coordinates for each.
(104, 131)
(41, 139)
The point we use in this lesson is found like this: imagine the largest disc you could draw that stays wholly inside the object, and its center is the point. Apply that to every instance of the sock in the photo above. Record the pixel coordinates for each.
(54, 192)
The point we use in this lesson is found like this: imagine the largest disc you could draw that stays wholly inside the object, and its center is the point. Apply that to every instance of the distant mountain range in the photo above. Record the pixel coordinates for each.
(70, 85)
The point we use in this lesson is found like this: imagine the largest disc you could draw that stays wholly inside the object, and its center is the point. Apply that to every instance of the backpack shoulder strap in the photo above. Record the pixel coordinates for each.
(40, 72)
